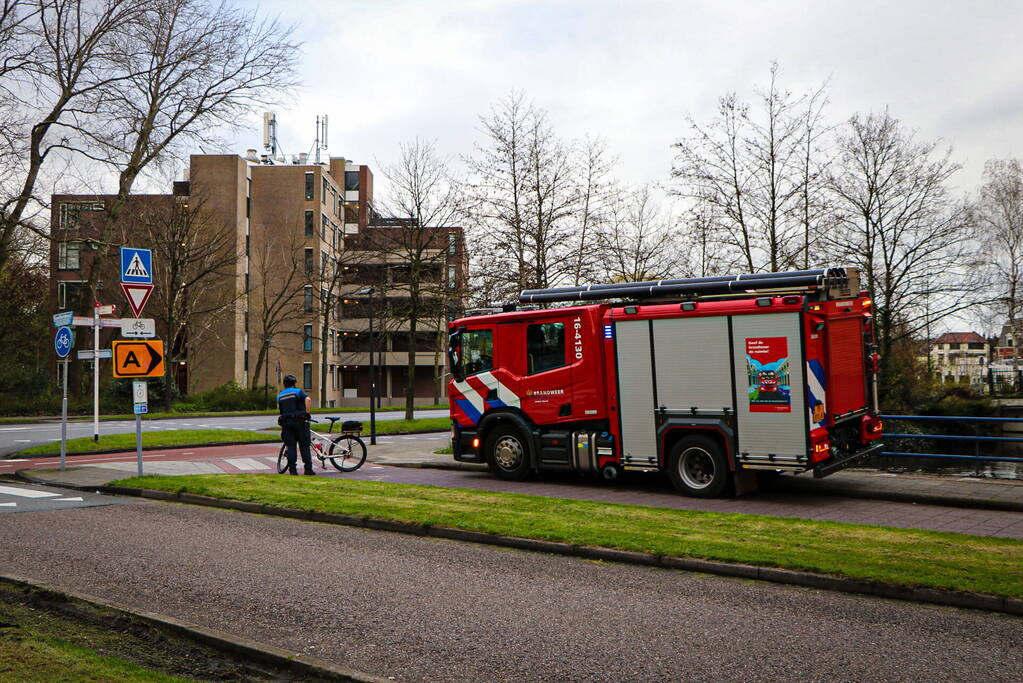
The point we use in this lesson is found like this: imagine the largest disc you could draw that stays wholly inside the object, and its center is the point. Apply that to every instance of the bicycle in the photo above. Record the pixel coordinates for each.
(346, 451)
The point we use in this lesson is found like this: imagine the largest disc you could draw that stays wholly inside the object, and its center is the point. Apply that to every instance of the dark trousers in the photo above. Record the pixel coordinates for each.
(297, 433)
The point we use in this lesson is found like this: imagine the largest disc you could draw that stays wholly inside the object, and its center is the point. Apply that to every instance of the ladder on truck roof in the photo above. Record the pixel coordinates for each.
(828, 283)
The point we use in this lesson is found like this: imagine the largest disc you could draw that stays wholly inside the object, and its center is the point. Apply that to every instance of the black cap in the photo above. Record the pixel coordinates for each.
(289, 380)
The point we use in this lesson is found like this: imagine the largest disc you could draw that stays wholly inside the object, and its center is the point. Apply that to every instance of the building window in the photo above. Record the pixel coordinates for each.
(68, 255)
(69, 212)
(309, 226)
(976, 346)
(545, 347)
(351, 181)
(307, 376)
(351, 213)
(245, 360)
(451, 242)
(451, 277)
(307, 298)
(309, 185)
(323, 226)
(308, 261)
(248, 197)
(326, 191)
(307, 337)
(69, 292)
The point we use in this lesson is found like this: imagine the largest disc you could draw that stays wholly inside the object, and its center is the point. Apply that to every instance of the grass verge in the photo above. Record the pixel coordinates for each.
(397, 426)
(903, 557)
(447, 450)
(39, 646)
(224, 413)
(46, 636)
(168, 439)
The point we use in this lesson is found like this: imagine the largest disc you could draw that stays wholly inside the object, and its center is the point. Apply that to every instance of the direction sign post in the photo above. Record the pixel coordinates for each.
(95, 373)
(140, 393)
(63, 341)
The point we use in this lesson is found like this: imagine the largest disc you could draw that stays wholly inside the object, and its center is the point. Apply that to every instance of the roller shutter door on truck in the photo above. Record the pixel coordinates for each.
(636, 390)
(770, 385)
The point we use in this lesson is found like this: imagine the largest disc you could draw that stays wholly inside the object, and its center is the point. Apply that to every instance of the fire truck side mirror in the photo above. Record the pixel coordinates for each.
(455, 353)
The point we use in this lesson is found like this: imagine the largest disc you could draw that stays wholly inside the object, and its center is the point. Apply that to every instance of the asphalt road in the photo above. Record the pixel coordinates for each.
(429, 609)
(15, 437)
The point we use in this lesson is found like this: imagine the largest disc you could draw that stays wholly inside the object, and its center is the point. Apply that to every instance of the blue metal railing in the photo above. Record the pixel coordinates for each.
(977, 440)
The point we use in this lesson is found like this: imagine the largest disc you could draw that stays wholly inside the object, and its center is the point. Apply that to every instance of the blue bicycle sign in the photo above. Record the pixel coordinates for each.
(63, 341)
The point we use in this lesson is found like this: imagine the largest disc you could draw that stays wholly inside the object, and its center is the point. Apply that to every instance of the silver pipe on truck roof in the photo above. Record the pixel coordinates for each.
(717, 285)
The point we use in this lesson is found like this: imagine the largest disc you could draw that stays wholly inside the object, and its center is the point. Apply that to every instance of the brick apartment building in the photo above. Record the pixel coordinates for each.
(320, 219)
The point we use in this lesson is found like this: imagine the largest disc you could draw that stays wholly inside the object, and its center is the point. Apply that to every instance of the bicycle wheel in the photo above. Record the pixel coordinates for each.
(282, 460)
(347, 453)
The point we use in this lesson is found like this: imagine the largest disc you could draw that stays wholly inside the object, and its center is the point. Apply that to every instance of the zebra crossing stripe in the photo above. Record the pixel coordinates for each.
(245, 463)
(27, 493)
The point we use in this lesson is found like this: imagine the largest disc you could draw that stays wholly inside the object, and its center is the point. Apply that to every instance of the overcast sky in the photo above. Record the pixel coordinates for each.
(386, 72)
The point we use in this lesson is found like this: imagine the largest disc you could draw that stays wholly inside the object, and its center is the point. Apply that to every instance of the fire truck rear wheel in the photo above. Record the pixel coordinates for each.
(507, 455)
(697, 467)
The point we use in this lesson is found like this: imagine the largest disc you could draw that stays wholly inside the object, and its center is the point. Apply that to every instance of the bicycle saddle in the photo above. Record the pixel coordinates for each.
(332, 419)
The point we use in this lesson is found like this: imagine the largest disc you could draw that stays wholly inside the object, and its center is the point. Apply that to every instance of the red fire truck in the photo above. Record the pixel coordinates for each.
(706, 379)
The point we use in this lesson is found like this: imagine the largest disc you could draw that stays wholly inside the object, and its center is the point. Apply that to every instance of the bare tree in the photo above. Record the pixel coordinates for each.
(277, 298)
(636, 243)
(703, 252)
(194, 255)
(70, 62)
(757, 173)
(1000, 210)
(595, 191)
(420, 189)
(522, 195)
(899, 223)
(192, 68)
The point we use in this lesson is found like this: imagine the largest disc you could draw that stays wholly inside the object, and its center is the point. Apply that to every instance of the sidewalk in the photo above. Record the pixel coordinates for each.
(417, 452)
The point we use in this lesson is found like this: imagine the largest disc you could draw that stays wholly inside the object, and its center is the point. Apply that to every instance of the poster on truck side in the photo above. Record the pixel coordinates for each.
(767, 370)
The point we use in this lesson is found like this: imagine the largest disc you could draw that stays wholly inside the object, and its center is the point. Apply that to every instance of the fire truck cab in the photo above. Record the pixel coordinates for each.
(706, 380)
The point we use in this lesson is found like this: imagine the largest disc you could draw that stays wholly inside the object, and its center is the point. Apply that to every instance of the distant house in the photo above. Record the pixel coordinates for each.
(960, 357)
(1007, 343)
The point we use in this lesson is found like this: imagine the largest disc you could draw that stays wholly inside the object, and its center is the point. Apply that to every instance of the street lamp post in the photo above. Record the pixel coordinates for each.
(368, 291)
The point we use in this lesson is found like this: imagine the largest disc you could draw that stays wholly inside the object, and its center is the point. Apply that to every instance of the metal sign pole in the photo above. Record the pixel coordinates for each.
(63, 417)
(95, 373)
(138, 442)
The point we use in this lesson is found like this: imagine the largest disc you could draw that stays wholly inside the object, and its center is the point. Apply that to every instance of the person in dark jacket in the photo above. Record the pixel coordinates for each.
(294, 404)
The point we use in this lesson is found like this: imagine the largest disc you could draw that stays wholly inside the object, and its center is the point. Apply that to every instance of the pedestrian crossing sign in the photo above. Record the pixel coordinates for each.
(136, 265)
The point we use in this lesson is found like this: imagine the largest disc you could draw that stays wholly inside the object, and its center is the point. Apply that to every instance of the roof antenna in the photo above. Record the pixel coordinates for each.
(270, 133)
(321, 135)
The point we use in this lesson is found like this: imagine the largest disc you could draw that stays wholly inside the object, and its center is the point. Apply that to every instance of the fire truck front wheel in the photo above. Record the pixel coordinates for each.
(507, 456)
(697, 467)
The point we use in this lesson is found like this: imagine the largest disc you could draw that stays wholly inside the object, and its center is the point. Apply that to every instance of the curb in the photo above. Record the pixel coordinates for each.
(460, 466)
(978, 601)
(292, 661)
(144, 449)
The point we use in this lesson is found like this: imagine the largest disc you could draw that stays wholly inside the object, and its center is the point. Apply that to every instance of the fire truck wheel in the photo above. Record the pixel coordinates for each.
(507, 456)
(697, 467)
